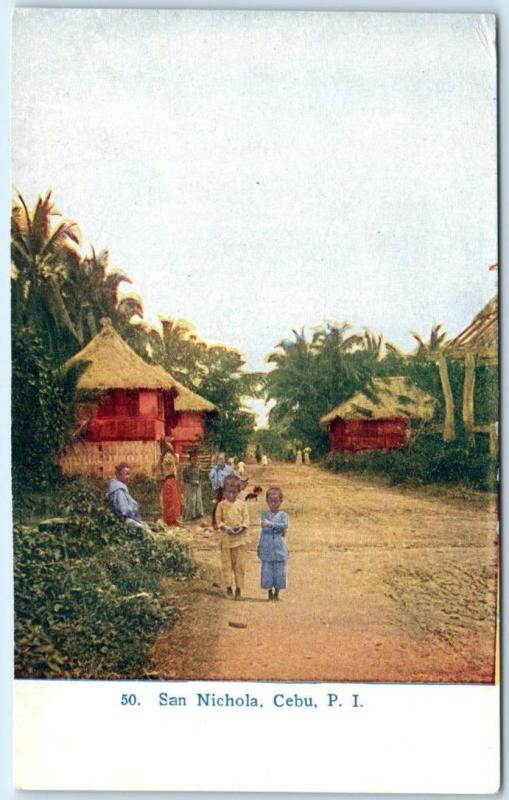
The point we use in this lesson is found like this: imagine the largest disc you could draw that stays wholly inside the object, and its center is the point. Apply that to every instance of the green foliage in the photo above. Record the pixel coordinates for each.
(44, 407)
(274, 443)
(42, 253)
(427, 459)
(58, 298)
(225, 384)
(88, 596)
(312, 376)
(486, 394)
(147, 492)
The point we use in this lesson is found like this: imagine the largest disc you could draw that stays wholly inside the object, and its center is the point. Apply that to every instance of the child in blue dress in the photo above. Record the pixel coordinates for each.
(272, 547)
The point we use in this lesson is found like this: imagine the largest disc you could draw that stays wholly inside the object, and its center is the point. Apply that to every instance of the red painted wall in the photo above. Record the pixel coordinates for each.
(127, 416)
(189, 428)
(369, 434)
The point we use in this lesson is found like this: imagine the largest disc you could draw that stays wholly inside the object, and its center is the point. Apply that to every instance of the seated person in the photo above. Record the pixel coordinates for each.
(119, 498)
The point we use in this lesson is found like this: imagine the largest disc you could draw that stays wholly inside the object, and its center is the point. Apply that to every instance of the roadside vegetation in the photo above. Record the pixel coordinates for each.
(89, 591)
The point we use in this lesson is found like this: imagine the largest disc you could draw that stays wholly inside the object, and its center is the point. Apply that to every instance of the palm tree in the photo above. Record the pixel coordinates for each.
(433, 350)
(42, 254)
(92, 291)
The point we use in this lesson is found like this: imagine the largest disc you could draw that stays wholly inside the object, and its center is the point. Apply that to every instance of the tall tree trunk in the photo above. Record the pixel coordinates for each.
(468, 398)
(449, 430)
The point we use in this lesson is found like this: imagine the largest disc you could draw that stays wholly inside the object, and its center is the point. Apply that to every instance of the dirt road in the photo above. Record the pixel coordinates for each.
(385, 585)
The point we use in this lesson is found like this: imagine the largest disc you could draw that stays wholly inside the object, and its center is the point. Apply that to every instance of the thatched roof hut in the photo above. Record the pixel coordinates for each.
(139, 404)
(391, 398)
(112, 364)
(379, 417)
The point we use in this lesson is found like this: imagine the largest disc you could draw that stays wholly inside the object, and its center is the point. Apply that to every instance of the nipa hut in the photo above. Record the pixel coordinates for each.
(379, 418)
(136, 407)
(185, 415)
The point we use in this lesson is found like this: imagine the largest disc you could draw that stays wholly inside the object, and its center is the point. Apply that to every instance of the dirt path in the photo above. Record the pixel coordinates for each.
(384, 585)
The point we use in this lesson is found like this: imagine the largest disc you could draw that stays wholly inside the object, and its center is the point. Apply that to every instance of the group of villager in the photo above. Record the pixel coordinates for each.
(230, 516)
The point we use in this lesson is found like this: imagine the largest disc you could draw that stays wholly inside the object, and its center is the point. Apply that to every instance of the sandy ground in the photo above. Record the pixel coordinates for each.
(385, 584)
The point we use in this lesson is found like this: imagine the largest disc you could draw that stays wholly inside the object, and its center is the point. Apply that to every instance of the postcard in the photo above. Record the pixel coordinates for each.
(254, 273)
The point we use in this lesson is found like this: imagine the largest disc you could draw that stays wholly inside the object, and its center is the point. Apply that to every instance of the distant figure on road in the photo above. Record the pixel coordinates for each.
(119, 498)
(241, 469)
(298, 458)
(258, 453)
(306, 452)
(265, 460)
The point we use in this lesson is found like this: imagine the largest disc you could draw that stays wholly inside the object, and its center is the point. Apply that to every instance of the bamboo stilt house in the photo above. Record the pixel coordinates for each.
(136, 407)
(379, 417)
(476, 345)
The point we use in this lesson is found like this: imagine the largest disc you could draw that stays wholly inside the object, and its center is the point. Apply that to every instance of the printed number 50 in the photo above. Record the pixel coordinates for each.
(129, 700)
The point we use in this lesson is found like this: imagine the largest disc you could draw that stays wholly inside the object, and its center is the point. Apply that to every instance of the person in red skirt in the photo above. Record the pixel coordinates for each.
(171, 503)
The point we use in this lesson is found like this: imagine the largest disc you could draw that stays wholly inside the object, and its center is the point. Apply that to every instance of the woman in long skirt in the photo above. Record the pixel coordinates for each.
(170, 496)
(193, 508)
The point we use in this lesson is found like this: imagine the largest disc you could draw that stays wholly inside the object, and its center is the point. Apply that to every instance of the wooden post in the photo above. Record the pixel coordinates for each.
(449, 430)
(468, 398)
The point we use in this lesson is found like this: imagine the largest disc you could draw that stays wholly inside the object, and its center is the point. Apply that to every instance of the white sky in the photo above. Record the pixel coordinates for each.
(259, 171)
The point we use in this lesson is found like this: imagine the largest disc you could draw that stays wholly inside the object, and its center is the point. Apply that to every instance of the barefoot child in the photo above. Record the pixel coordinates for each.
(272, 547)
(232, 519)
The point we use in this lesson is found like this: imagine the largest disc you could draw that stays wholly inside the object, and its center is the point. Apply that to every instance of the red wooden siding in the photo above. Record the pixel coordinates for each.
(189, 429)
(127, 416)
(368, 434)
(144, 416)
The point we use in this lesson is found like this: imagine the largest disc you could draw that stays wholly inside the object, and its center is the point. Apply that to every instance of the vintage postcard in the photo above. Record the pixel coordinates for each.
(254, 275)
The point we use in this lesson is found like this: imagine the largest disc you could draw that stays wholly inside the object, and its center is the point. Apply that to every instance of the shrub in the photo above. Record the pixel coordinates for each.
(88, 595)
(147, 490)
(44, 407)
(427, 459)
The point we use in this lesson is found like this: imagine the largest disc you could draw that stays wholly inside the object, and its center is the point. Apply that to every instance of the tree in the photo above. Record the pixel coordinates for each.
(225, 384)
(311, 377)
(432, 350)
(44, 411)
(91, 292)
(42, 254)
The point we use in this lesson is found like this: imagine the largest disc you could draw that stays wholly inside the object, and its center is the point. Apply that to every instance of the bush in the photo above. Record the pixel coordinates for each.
(88, 595)
(147, 491)
(426, 459)
(44, 406)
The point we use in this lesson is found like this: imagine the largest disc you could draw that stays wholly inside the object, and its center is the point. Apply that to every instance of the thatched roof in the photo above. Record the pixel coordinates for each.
(112, 364)
(480, 337)
(188, 400)
(390, 398)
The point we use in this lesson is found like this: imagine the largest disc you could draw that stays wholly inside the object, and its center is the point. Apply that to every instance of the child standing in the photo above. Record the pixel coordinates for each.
(232, 519)
(272, 547)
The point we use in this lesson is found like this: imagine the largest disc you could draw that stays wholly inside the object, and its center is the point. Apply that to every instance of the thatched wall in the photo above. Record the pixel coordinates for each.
(100, 458)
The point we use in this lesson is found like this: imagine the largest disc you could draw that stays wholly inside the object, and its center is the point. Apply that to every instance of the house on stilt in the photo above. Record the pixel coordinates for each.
(136, 406)
(477, 347)
(379, 417)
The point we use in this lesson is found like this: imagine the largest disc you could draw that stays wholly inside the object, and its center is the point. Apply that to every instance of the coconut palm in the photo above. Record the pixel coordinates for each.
(42, 253)
(92, 292)
(433, 350)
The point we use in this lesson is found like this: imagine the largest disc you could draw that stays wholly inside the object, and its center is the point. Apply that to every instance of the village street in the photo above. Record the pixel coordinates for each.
(385, 584)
